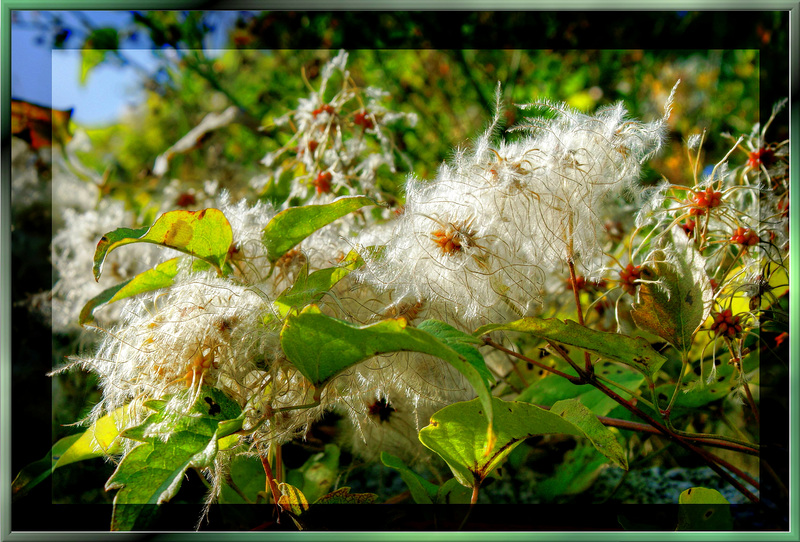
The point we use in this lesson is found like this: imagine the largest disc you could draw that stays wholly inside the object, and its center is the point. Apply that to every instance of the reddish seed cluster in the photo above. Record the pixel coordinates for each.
(707, 199)
(312, 146)
(761, 156)
(582, 284)
(186, 199)
(726, 325)
(578, 284)
(629, 276)
(326, 108)
(361, 119)
(323, 182)
(688, 226)
(745, 237)
(714, 284)
(446, 240)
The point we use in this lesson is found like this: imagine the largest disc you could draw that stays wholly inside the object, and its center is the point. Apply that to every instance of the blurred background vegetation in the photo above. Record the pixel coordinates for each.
(442, 66)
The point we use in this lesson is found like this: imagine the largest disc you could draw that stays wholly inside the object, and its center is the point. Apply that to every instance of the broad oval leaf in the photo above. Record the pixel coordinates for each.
(204, 234)
(634, 352)
(321, 347)
(458, 434)
(152, 472)
(677, 296)
(160, 276)
(291, 226)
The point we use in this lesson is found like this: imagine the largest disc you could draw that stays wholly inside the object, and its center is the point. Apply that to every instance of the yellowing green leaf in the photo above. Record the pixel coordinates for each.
(102, 438)
(292, 499)
(160, 276)
(675, 296)
(203, 234)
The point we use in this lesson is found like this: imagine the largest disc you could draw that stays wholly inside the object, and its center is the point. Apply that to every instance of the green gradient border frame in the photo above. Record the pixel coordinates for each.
(793, 6)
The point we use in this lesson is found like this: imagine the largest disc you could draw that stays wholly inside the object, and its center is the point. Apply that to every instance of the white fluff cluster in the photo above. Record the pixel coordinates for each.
(482, 237)
(341, 143)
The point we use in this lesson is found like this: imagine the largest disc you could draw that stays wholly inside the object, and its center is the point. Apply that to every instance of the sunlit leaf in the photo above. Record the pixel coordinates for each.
(203, 234)
(101, 438)
(634, 352)
(160, 276)
(318, 474)
(458, 434)
(291, 226)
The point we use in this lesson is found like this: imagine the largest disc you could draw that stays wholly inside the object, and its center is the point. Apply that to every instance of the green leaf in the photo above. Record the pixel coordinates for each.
(422, 491)
(309, 288)
(702, 509)
(34, 473)
(634, 352)
(574, 475)
(463, 343)
(700, 392)
(458, 434)
(318, 474)
(98, 44)
(547, 391)
(204, 234)
(160, 276)
(675, 295)
(101, 438)
(343, 496)
(247, 473)
(291, 226)
(152, 472)
(321, 347)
